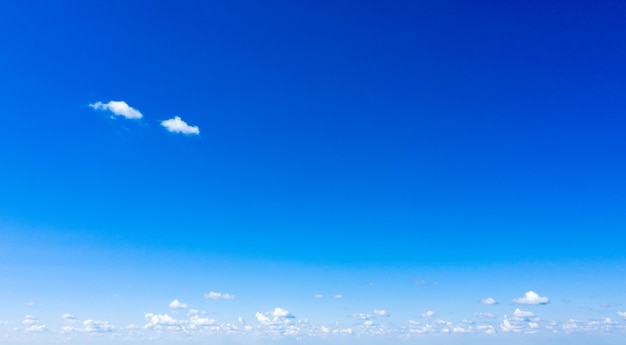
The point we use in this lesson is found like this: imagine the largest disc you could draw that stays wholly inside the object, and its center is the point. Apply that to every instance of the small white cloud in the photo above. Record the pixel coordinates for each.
(428, 314)
(95, 326)
(319, 295)
(488, 301)
(119, 108)
(279, 312)
(381, 312)
(420, 282)
(484, 315)
(176, 304)
(338, 296)
(177, 125)
(622, 314)
(362, 316)
(241, 320)
(531, 297)
(30, 320)
(522, 314)
(36, 328)
(218, 295)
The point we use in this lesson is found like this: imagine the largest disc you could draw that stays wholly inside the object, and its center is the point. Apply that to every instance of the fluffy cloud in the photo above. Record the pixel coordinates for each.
(338, 296)
(319, 295)
(160, 321)
(279, 312)
(622, 314)
(218, 295)
(119, 108)
(531, 297)
(176, 304)
(488, 301)
(177, 125)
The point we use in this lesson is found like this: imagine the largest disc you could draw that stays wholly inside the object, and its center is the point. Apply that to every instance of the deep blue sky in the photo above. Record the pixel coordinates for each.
(341, 134)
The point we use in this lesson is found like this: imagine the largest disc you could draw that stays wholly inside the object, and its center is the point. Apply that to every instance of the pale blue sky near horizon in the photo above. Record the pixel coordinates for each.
(347, 171)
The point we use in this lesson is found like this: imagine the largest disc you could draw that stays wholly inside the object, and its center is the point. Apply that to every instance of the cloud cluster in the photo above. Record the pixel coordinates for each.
(218, 295)
(532, 298)
(121, 108)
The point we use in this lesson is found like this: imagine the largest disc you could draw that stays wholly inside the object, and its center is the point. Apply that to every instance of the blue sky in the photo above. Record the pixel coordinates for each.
(297, 172)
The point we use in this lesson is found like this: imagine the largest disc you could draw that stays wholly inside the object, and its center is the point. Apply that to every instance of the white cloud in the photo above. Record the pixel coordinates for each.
(319, 295)
(177, 125)
(196, 321)
(522, 314)
(338, 296)
(159, 321)
(218, 295)
(30, 320)
(428, 314)
(531, 297)
(36, 328)
(176, 304)
(68, 317)
(622, 314)
(381, 312)
(484, 315)
(489, 301)
(362, 316)
(33, 324)
(279, 312)
(95, 326)
(119, 108)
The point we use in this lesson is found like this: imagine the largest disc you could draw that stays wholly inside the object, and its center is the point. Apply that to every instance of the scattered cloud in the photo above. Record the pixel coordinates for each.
(95, 326)
(488, 301)
(218, 295)
(622, 314)
(34, 325)
(531, 297)
(276, 317)
(429, 314)
(177, 125)
(319, 295)
(485, 315)
(522, 314)
(69, 318)
(338, 296)
(176, 304)
(420, 282)
(381, 312)
(119, 108)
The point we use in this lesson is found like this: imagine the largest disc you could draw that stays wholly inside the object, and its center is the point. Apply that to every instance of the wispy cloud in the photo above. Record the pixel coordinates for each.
(338, 296)
(177, 125)
(531, 297)
(119, 108)
(218, 295)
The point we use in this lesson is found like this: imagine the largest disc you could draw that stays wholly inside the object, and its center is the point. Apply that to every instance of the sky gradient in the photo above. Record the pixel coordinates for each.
(304, 172)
